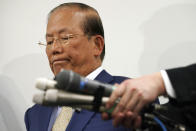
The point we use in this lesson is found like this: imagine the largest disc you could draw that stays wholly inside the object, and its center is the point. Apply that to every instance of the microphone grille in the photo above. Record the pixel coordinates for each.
(51, 95)
(38, 98)
(44, 83)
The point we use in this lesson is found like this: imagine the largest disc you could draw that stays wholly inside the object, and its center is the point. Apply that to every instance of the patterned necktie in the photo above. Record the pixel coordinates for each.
(63, 119)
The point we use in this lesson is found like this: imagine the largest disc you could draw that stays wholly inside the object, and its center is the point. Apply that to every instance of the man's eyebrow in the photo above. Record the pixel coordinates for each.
(64, 30)
(49, 35)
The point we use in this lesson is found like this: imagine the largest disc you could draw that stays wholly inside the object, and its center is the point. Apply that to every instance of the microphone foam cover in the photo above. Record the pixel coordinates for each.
(51, 95)
(44, 83)
(38, 98)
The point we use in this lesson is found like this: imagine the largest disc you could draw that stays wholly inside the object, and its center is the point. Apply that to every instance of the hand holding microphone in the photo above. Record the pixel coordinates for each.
(70, 89)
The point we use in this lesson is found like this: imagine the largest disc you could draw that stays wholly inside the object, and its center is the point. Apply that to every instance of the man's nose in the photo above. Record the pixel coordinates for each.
(56, 47)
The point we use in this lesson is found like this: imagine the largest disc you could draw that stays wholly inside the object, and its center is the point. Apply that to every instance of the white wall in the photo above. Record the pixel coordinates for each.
(142, 36)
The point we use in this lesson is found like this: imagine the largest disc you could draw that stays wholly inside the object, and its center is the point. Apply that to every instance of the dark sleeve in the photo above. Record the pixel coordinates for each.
(183, 80)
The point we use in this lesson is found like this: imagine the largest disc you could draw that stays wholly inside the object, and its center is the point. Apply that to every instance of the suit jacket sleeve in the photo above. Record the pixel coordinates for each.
(183, 80)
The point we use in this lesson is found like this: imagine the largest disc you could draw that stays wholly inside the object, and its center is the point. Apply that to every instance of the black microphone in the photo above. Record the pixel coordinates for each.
(72, 82)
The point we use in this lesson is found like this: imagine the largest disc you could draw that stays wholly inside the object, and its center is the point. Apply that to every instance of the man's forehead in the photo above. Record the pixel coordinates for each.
(64, 20)
(68, 11)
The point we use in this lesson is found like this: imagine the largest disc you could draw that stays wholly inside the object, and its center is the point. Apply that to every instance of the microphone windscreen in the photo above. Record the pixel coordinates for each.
(39, 98)
(44, 83)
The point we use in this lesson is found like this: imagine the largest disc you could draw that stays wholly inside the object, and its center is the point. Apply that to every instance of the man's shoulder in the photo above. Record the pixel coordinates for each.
(36, 106)
(37, 109)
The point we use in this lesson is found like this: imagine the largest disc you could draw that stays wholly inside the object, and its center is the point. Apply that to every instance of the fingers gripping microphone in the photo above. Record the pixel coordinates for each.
(73, 82)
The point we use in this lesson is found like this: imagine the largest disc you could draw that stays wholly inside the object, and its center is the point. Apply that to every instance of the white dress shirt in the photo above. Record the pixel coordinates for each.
(168, 85)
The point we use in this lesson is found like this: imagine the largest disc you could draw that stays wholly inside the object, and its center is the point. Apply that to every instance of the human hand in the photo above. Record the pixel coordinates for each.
(134, 94)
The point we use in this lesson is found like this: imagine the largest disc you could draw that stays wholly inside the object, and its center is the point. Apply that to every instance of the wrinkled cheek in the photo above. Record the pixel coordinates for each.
(49, 61)
(51, 67)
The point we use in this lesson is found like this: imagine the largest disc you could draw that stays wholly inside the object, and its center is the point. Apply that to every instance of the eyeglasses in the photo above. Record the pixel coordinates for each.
(62, 41)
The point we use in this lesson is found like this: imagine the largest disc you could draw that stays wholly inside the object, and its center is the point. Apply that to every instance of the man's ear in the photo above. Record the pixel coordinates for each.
(99, 45)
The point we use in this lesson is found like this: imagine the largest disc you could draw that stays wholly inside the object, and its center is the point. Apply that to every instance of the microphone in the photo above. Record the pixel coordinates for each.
(73, 82)
(55, 97)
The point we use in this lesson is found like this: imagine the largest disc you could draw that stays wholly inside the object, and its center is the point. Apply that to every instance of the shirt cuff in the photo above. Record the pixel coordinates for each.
(168, 86)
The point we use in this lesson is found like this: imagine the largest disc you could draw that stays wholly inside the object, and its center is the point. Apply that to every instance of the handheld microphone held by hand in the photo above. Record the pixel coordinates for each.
(73, 82)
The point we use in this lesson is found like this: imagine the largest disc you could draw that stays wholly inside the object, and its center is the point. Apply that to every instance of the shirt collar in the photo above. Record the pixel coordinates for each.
(95, 73)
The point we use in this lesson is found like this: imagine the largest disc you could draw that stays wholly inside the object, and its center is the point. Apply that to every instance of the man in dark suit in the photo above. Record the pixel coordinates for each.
(178, 84)
(75, 41)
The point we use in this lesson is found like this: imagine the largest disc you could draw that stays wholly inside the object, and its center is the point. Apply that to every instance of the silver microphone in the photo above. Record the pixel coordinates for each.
(44, 84)
(55, 97)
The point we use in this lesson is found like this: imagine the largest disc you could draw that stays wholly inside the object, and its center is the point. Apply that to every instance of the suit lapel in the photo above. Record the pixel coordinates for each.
(104, 77)
(81, 119)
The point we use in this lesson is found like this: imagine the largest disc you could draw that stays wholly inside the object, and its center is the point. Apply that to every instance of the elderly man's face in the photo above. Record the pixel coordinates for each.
(77, 53)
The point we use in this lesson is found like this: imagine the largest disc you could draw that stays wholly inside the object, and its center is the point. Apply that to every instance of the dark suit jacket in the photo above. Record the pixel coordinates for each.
(37, 117)
(184, 83)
